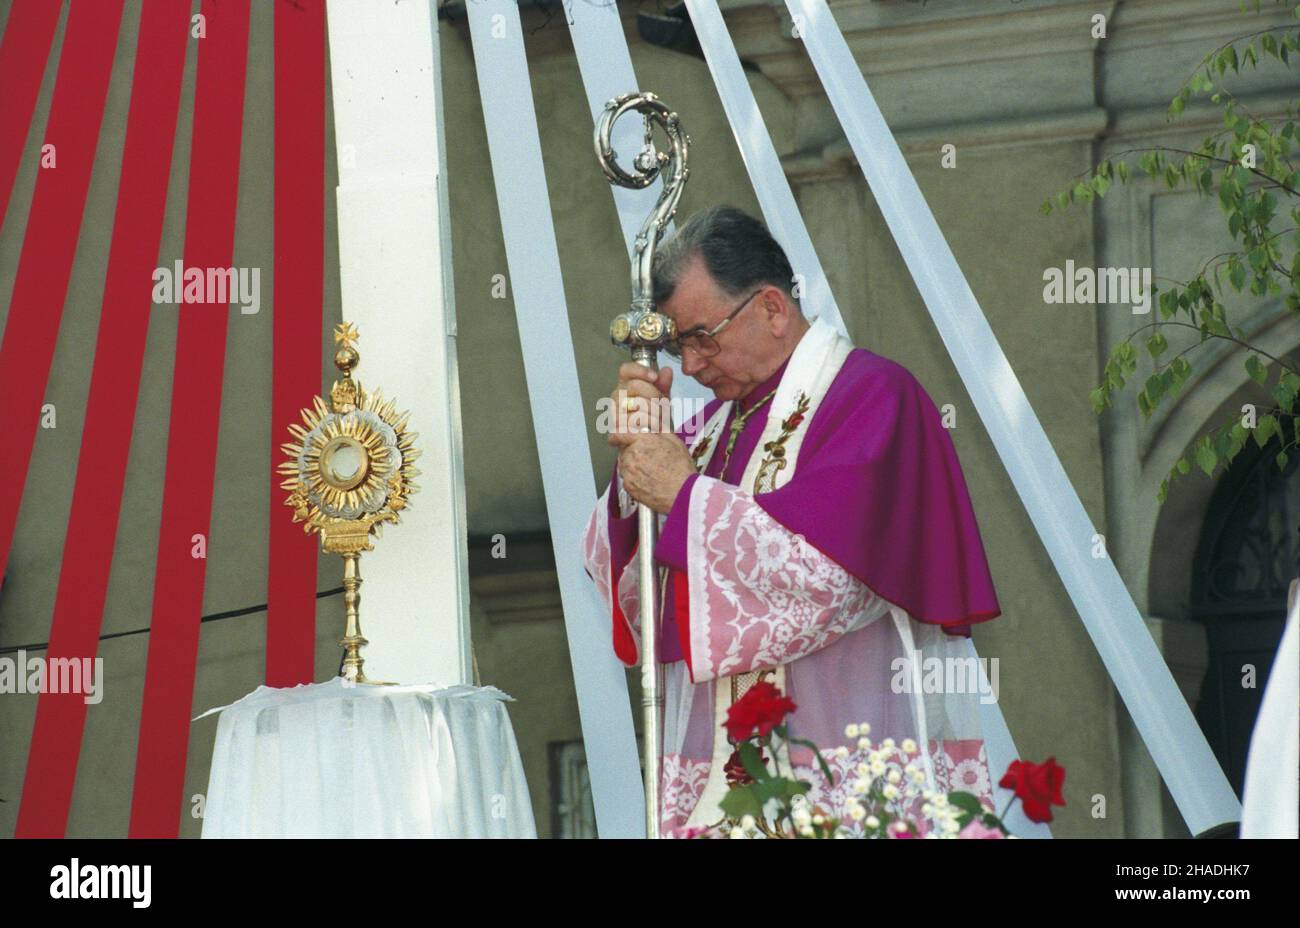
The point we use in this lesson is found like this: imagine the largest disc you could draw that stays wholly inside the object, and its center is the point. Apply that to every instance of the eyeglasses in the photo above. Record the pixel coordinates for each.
(704, 343)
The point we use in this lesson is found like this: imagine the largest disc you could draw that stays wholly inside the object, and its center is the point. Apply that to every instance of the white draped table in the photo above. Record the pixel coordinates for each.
(332, 760)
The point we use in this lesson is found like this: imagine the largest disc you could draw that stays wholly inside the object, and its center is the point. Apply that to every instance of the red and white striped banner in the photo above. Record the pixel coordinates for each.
(110, 409)
(76, 111)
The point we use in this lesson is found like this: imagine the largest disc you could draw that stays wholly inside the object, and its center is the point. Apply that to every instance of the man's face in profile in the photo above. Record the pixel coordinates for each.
(699, 304)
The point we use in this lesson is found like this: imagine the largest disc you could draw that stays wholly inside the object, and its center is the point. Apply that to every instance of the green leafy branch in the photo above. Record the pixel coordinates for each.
(1249, 164)
(1225, 441)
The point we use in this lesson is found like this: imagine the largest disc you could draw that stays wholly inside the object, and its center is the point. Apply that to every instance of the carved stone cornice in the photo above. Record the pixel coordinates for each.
(906, 35)
(836, 159)
(1148, 23)
(888, 38)
(1198, 119)
(908, 50)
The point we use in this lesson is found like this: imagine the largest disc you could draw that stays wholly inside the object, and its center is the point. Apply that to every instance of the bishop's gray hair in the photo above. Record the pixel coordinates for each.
(736, 248)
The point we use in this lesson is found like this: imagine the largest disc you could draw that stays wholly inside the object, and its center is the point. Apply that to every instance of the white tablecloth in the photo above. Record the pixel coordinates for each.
(330, 760)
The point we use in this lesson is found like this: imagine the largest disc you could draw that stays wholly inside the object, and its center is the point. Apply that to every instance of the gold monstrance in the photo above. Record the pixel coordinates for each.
(349, 471)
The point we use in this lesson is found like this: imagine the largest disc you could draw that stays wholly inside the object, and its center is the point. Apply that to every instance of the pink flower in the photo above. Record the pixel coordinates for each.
(899, 830)
(977, 830)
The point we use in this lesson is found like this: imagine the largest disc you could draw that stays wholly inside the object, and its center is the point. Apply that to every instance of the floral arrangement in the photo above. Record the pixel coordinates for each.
(890, 795)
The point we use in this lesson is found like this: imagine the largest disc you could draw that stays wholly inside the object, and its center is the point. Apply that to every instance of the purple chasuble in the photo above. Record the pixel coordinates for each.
(877, 487)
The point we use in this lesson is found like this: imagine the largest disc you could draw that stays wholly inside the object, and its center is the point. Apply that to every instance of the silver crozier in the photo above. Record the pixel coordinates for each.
(644, 330)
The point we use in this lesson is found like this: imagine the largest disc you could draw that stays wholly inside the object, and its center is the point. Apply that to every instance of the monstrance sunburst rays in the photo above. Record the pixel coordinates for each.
(352, 465)
(349, 469)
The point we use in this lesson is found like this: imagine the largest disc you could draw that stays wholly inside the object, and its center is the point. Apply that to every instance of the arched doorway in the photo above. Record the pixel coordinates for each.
(1246, 556)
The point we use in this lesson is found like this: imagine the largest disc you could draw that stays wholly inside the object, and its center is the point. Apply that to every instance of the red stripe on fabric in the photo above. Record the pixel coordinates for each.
(195, 421)
(682, 607)
(53, 225)
(110, 409)
(299, 291)
(624, 646)
(24, 53)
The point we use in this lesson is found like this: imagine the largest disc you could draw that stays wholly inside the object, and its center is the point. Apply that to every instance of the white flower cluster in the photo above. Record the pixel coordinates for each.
(803, 818)
(942, 815)
(748, 828)
(886, 781)
(896, 772)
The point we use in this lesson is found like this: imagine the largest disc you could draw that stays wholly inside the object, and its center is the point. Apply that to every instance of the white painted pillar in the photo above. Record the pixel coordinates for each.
(395, 270)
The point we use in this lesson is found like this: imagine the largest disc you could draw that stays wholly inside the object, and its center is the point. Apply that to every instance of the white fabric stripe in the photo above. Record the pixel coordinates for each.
(534, 265)
(606, 67)
(761, 160)
(902, 624)
(782, 216)
(1108, 612)
(394, 272)
(814, 365)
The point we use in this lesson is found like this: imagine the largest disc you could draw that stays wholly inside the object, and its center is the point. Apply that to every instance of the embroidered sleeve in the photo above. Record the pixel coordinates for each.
(595, 548)
(759, 594)
(608, 547)
(629, 597)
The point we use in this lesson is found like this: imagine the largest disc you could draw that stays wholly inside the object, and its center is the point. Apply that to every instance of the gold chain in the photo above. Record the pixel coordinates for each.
(737, 426)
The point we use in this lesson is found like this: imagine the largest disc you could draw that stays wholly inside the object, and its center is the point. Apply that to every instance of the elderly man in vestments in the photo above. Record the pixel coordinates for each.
(815, 532)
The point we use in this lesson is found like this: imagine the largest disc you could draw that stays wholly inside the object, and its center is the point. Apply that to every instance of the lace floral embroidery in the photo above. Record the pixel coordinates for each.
(963, 765)
(595, 548)
(760, 595)
(683, 784)
(629, 599)
(958, 765)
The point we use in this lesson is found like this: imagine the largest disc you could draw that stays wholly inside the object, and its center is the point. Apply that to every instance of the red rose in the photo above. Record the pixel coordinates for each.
(762, 707)
(735, 771)
(793, 422)
(1038, 786)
